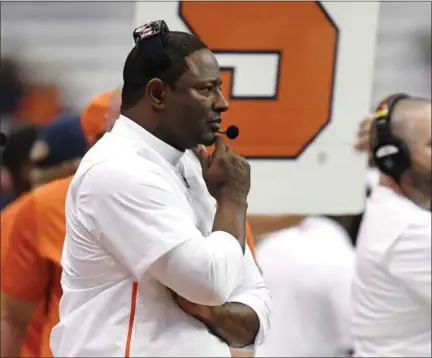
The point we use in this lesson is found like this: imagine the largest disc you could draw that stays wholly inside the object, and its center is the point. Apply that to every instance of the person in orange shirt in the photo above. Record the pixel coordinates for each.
(32, 233)
(16, 164)
(30, 277)
(35, 156)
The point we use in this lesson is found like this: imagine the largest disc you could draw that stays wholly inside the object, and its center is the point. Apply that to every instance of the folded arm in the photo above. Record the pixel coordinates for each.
(204, 271)
(249, 306)
(243, 321)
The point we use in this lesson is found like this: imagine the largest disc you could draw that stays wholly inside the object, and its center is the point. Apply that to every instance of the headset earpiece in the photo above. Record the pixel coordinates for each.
(390, 154)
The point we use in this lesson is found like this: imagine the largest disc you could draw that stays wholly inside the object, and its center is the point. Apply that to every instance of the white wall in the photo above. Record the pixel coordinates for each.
(403, 56)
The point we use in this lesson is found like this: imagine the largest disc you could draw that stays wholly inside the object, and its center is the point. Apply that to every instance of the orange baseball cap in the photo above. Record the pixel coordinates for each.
(93, 117)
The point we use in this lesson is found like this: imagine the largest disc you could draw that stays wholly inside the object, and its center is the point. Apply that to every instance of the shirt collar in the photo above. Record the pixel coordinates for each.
(382, 191)
(142, 137)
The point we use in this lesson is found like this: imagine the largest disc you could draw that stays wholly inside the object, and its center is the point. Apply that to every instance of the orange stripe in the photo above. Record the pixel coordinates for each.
(131, 318)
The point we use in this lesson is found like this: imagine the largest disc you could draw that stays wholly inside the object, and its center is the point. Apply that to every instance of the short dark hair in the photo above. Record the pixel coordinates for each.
(138, 71)
(16, 153)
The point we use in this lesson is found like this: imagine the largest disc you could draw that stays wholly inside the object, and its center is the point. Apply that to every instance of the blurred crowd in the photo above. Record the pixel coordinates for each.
(45, 143)
(44, 137)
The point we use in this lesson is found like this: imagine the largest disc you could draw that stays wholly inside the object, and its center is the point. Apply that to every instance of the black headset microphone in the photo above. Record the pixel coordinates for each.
(232, 132)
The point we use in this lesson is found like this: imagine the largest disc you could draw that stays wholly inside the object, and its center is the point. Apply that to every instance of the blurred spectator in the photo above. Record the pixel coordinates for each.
(32, 232)
(40, 104)
(23, 102)
(58, 149)
(11, 87)
(16, 164)
(309, 270)
(105, 106)
(33, 157)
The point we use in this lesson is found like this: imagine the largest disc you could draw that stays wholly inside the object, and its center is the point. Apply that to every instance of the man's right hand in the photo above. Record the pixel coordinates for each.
(226, 173)
(227, 176)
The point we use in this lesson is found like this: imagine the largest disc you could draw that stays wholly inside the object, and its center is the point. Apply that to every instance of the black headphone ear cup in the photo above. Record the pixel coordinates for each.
(390, 154)
(404, 156)
(392, 158)
(383, 160)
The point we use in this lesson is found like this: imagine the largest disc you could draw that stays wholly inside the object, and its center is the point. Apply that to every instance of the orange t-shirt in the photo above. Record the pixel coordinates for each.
(8, 215)
(33, 231)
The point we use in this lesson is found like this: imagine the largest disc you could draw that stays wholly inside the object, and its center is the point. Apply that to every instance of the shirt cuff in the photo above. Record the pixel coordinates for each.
(257, 304)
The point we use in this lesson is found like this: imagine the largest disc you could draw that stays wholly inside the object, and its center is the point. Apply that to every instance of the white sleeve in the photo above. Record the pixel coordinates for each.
(138, 221)
(410, 261)
(254, 293)
(204, 271)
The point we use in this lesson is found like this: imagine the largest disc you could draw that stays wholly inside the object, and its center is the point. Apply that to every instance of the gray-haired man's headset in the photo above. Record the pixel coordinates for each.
(390, 154)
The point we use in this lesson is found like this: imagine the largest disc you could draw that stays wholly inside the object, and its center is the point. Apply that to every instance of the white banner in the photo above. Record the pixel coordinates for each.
(298, 76)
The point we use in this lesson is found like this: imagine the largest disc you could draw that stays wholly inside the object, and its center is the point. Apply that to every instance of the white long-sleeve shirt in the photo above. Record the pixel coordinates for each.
(309, 270)
(135, 226)
(392, 285)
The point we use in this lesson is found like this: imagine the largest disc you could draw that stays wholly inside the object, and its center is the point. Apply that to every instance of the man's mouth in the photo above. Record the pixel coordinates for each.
(215, 124)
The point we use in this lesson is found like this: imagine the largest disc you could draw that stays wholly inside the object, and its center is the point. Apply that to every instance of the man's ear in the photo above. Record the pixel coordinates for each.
(156, 92)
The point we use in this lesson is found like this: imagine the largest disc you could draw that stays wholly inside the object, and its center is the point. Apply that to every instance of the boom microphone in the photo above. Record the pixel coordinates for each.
(231, 132)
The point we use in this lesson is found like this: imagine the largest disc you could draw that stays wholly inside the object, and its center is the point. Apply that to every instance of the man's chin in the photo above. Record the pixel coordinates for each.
(208, 139)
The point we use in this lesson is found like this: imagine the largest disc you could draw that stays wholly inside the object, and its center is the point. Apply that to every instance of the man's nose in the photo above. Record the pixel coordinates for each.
(221, 104)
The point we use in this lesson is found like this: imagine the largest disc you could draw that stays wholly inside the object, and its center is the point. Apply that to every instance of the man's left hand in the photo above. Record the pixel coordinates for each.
(235, 323)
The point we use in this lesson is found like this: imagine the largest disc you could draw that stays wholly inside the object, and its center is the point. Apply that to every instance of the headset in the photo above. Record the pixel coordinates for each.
(149, 39)
(390, 154)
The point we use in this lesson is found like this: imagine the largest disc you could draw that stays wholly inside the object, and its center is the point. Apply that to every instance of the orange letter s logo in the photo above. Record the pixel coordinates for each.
(278, 65)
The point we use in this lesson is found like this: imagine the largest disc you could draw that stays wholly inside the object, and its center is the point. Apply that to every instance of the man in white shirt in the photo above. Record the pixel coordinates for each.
(392, 285)
(150, 266)
(309, 270)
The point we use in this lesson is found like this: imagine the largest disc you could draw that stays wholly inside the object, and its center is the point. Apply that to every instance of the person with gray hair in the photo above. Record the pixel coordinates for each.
(392, 285)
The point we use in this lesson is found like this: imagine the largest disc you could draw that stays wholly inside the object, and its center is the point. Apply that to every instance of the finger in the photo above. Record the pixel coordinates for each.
(220, 147)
